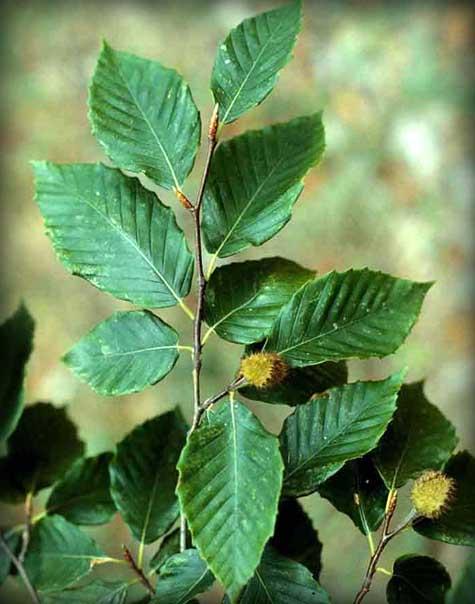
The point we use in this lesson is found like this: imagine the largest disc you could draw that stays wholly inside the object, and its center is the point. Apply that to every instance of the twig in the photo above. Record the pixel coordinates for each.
(197, 325)
(27, 528)
(234, 385)
(21, 571)
(386, 537)
(133, 565)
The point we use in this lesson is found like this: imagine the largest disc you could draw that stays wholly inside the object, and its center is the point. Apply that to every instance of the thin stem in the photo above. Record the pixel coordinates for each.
(187, 348)
(27, 528)
(138, 571)
(198, 320)
(21, 571)
(234, 385)
(384, 571)
(385, 538)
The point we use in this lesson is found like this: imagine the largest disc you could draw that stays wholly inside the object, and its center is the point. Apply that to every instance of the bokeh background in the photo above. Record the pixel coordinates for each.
(394, 192)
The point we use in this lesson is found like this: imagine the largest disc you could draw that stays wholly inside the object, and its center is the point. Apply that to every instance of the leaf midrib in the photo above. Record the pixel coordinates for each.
(133, 352)
(147, 121)
(134, 245)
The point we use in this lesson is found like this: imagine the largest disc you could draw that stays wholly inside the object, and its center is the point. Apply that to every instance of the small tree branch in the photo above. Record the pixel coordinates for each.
(21, 570)
(27, 528)
(138, 571)
(386, 537)
(198, 321)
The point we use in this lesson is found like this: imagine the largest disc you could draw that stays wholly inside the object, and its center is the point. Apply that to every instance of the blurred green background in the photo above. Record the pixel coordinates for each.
(394, 192)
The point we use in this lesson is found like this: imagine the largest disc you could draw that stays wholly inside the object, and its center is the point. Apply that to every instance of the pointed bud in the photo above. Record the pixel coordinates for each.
(263, 369)
(431, 493)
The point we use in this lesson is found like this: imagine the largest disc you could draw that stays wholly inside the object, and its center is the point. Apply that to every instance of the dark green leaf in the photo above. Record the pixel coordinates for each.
(295, 538)
(243, 299)
(112, 231)
(255, 180)
(96, 592)
(418, 580)
(419, 438)
(462, 593)
(167, 548)
(144, 116)
(12, 541)
(125, 353)
(230, 481)
(358, 491)
(279, 580)
(183, 576)
(16, 340)
(83, 495)
(356, 314)
(300, 384)
(144, 475)
(342, 424)
(249, 60)
(59, 554)
(457, 524)
(40, 450)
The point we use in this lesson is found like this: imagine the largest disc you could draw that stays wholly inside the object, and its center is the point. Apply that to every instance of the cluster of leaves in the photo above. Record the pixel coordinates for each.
(234, 483)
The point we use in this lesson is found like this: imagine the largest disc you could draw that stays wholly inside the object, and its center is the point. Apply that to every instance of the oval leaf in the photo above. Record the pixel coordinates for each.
(16, 339)
(419, 438)
(59, 554)
(144, 116)
(124, 354)
(358, 491)
(279, 580)
(418, 580)
(356, 314)
(342, 424)
(107, 228)
(40, 450)
(144, 475)
(183, 576)
(229, 486)
(457, 524)
(254, 181)
(249, 60)
(83, 495)
(243, 299)
(295, 538)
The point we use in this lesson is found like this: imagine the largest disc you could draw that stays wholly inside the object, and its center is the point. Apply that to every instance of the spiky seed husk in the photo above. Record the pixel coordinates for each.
(432, 493)
(263, 369)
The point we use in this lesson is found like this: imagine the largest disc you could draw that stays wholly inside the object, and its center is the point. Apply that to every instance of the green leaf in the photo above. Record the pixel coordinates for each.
(229, 486)
(418, 580)
(59, 554)
(169, 546)
(16, 339)
(144, 475)
(462, 593)
(112, 231)
(144, 116)
(457, 524)
(96, 592)
(342, 424)
(183, 576)
(355, 314)
(279, 580)
(12, 541)
(243, 299)
(300, 384)
(295, 538)
(83, 495)
(250, 58)
(419, 438)
(43, 446)
(254, 181)
(358, 491)
(125, 353)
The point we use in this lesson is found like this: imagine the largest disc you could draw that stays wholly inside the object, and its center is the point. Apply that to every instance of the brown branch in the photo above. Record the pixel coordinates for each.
(198, 321)
(21, 570)
(138, 571)
(234, 385)
(27, 528)
(386, 537)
